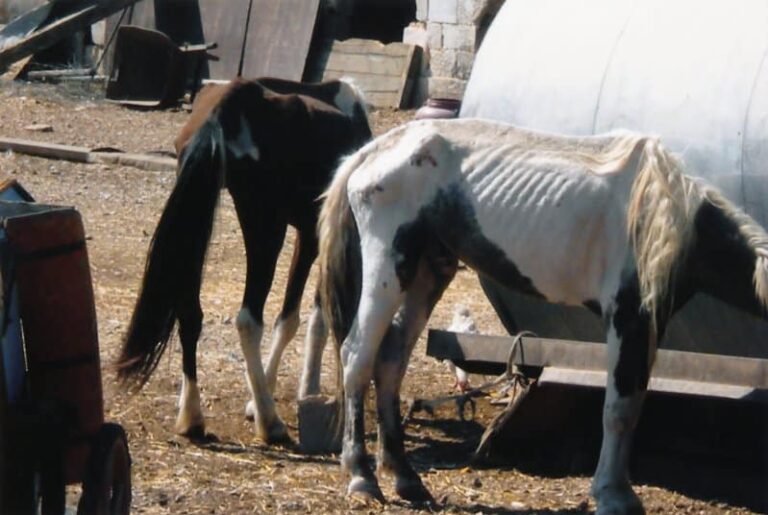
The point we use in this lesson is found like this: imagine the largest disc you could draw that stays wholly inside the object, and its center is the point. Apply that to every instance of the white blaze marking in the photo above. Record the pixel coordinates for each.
(243, 146)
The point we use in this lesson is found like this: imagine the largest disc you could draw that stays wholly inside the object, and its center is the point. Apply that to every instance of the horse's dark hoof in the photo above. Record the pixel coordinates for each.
(274, 434)
(414, 491)
(365, 490)
(195, 433)
(204, 438)
(283, 440)
(619, 501)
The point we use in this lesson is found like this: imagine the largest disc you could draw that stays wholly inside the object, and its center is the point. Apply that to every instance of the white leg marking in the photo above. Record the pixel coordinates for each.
(610, 485)
(268, 425)
(314, 343)
(190, 414)
(284, 331)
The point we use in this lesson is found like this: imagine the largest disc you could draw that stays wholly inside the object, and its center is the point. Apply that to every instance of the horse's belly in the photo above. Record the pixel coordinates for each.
(564, 251)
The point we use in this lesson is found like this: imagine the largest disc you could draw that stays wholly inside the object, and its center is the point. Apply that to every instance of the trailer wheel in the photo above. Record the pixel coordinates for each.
(107, 481)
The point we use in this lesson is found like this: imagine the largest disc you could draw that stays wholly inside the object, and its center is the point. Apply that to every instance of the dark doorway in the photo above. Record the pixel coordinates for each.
(383, 20)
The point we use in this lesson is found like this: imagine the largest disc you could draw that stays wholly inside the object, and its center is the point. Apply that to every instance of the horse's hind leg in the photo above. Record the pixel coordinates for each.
(263, 235)
(314, 344)
(189, 421)
(631, 350)
(304, 254)
(379, 300)
(434, 274)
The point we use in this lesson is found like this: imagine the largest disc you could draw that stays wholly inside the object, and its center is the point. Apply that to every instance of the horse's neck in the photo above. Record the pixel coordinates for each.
(721, 261)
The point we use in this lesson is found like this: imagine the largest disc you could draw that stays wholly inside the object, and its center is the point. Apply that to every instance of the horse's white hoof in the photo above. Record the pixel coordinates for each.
(250, 410)
(365, 489)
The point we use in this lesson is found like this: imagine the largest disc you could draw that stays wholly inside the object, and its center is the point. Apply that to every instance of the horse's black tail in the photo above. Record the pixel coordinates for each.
(176, 254)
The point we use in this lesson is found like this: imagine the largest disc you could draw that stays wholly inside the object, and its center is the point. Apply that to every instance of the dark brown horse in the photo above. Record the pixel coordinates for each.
(274, 145)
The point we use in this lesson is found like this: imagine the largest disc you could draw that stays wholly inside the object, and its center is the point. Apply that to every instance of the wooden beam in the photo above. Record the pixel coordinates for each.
(44, 149)
(148, 162)
(84, 155)
(585, 356)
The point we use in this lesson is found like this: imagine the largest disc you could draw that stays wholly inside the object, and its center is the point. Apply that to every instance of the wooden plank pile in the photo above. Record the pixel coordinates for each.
(386, 73)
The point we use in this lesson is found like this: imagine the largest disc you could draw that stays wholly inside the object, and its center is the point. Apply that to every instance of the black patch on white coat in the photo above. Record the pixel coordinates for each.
(449, 219)
(632, 325)
(721, 261)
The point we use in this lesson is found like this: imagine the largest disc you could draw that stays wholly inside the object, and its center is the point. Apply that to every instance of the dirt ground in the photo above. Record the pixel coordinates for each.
(237, 473)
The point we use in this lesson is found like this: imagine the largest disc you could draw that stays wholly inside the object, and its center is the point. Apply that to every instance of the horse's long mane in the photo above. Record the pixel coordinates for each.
(660, 221)
(660, 216)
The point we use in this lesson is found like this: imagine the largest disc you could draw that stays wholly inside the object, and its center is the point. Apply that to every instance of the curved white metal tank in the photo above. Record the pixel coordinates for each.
(694, 73)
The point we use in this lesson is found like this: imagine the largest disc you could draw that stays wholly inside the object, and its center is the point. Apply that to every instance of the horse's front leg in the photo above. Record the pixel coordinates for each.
(379, 300)
(631, 350)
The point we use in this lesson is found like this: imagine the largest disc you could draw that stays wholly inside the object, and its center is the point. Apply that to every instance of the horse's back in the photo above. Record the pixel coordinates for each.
(543, 204)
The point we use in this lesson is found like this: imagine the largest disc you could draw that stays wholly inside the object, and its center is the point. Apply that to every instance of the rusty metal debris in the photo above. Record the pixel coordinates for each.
(49, 24)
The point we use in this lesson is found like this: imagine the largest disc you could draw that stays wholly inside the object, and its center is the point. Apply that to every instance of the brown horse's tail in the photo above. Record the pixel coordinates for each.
(176, 254)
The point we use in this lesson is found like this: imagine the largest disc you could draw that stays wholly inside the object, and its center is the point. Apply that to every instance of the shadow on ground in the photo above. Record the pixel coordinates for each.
(708, 449)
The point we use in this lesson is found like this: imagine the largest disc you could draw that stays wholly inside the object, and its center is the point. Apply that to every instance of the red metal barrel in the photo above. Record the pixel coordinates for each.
(59, 321)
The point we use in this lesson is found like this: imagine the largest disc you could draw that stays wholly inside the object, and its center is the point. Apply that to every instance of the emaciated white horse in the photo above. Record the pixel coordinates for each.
(607, 221)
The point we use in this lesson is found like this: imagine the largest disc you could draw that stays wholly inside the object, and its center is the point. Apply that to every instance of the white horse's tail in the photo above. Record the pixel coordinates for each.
(339, 257)
(660, 220)
(338, 250)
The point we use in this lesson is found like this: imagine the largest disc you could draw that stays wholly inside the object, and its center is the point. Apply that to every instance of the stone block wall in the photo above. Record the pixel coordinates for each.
(450, 31)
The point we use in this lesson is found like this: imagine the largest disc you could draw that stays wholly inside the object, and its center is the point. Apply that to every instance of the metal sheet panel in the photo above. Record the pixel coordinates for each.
(542, 62)
(695, 73)
(755, 148)
(279, 34)
(203, 21)
(225, 27)
(689, 79)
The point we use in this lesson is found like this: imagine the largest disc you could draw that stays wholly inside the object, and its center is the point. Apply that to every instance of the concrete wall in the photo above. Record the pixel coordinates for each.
(450, 31)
